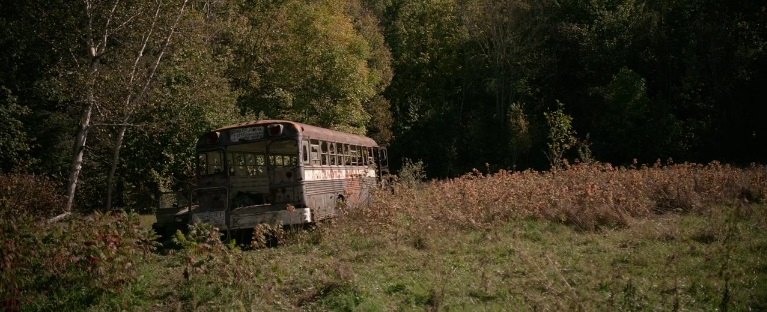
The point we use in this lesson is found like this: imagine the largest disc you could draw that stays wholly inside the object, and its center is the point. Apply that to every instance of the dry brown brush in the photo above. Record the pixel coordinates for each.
(587, 196)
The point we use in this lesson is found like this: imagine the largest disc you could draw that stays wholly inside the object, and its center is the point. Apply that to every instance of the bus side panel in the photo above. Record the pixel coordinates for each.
(358, 187)
(321, 197)
(368, 184)
(326, 186)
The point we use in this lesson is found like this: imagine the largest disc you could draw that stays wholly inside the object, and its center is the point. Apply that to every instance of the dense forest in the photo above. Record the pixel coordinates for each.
(113, 94)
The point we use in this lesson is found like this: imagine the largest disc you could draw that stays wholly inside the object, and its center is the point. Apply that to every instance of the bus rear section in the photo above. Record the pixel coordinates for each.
(255, 178)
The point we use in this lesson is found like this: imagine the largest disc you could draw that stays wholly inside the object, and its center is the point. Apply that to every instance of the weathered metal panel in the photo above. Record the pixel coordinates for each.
(310, 131)
(248, 217)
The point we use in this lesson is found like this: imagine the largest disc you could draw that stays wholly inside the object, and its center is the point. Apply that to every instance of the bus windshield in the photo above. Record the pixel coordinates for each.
(253, 159)
(209, 162)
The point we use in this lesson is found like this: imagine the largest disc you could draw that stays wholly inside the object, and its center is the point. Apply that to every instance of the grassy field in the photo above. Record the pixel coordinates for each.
(666, 262)
(678, 238)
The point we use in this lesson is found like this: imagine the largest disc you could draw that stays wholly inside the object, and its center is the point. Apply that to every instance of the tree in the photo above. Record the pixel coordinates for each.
(99, 79)
(430, 90)
(561, 136)
(192, 96)
(311, 62)
(14, 142)
(140, 78)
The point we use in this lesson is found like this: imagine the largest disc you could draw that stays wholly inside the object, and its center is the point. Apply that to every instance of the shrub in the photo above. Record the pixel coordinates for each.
(412, 173)
(267, 235)
(29, 196)
(68, 264)
(587, 196)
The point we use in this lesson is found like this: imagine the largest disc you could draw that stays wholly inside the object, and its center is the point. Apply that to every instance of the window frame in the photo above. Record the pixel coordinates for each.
(314, 150)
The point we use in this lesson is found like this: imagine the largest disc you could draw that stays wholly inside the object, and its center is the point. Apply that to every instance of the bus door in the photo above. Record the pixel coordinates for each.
(211, 192)
(381, 161)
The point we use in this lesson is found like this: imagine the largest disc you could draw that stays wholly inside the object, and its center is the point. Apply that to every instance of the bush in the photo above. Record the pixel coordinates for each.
(67, 265)
(587, 196)
(29, 196)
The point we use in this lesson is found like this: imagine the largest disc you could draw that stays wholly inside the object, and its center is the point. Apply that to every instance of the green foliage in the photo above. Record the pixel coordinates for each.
(30, 197)
(200, 234)
(561, 136)
(67, 265)
(14, 141)
(427, 41)
(381, 120)
(622, 124)
(318, 62)
(159, 154)
(412, 173)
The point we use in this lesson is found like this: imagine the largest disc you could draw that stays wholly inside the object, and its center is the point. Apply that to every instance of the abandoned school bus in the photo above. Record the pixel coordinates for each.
(276, 171)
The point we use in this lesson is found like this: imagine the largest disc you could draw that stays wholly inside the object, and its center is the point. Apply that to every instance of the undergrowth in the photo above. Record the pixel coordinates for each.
(65, 265)
(586, 196)
(588, 237)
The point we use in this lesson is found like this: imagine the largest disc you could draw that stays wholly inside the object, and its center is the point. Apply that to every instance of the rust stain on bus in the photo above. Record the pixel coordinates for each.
(353, 188)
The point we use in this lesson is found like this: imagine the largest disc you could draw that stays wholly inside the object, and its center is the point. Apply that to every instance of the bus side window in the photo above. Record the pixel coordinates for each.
(305, 152)
(315, 154)
(347, 155)
(369, 157)
(202, 164)
(360, 150)
(355, 155)
(352, 155)
(340, 154)
(332, 150)
(324, 151)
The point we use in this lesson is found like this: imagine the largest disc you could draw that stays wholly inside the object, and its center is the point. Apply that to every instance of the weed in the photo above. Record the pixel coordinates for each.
(268, 235)
(586, 237)
(586, 196)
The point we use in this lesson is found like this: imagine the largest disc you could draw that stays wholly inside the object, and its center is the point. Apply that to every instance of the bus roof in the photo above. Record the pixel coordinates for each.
(312, 132)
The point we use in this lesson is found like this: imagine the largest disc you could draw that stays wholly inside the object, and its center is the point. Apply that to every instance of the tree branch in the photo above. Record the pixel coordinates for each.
(115, 125)
(59, 217)
(162, 51)
(107, 32)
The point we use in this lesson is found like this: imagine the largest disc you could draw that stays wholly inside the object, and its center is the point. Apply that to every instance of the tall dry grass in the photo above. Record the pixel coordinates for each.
(587, 196)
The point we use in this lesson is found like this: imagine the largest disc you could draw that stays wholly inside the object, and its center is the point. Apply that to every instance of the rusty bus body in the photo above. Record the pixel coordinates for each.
(277, 171)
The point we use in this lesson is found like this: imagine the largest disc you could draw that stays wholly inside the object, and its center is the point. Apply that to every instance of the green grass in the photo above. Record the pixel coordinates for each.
(665, 262)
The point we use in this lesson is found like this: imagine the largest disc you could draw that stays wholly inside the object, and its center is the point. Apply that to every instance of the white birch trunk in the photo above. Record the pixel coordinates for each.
(79, 152)
(113, 167)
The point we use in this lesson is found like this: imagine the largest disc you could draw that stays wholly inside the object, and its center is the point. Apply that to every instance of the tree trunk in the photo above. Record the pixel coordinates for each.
(115, 160)
(79, 149)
